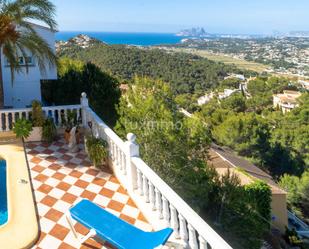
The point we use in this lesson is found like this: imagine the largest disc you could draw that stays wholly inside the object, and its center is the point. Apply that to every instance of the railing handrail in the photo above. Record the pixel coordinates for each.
(44, 108)
(203, 229)
(108, 131)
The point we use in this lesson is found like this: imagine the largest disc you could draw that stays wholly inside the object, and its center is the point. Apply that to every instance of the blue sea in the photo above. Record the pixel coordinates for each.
(139, 39)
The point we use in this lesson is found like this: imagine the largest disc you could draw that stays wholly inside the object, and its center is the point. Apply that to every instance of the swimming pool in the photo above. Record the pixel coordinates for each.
(3, 194)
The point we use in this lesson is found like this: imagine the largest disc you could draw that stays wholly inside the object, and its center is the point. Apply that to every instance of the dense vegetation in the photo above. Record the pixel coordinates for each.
(75, 77)
(277, 143)
(176, 148)
(185, 73)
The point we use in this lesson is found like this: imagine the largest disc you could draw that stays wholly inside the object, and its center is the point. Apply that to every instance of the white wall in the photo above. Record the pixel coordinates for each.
(26, 85)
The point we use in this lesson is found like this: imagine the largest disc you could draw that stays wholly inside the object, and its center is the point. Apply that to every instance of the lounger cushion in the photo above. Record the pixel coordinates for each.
(114, 230)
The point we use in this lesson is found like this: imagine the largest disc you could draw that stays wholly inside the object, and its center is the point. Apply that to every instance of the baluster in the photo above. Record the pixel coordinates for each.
(53, 115)
(166, 211)
(65, 115)
(117, 155)
(183, 231)
(77, 113)
(110, 148)
(59, 117)
(146, 188)
(118, 163)
(112, 151)
(1, 124)
(174, 221)
(140, 182)
(159, 204)
(203, 243)
(124, 166)
(192, 237)
(152, 196)
(13, 117)
(7, 127)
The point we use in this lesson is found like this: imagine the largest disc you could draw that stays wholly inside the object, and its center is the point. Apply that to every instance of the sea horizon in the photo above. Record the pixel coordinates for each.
(125, 38)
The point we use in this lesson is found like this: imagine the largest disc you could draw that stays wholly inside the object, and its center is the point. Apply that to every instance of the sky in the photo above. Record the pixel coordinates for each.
(169, 16)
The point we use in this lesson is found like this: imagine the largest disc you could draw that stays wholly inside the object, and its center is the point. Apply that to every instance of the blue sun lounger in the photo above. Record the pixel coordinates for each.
(112, 229)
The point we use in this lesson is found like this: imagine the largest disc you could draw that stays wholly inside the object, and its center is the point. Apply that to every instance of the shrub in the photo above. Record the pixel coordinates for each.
(37, 114)
(49, 130)
(97, 150)
(22, 128)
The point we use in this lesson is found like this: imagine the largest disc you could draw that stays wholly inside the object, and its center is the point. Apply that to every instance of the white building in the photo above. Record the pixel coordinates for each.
(286, 101)
(27, 85)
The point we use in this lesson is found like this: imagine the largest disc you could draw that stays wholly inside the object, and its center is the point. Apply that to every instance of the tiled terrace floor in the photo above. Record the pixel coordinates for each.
(60, 179)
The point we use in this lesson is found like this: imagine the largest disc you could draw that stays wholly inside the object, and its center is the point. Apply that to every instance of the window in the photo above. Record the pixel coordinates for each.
(23, 61)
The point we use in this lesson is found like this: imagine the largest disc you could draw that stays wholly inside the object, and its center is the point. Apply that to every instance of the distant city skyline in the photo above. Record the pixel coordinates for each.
(161, 16)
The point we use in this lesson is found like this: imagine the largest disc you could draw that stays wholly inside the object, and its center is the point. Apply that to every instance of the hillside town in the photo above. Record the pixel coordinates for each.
(284, 55)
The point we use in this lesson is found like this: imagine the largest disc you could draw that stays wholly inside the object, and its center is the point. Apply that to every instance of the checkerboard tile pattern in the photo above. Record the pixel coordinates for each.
(60, 179)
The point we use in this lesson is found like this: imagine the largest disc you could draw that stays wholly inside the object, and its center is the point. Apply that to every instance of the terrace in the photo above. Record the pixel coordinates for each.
(128, 188)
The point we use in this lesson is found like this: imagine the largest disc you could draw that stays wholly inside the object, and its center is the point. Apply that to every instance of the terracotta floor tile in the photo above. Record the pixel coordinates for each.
(115, 205)
(63, 186)
(88, 195)
(51, 158)
(60, 232)
(65, 246)
(81, 184)
(114, 179)
(44, 188)
(99, 181)
(76, 174)
(53, 215)
(141, 217)
(127, 218)
(107, 192)
(122, 190)
(58, 176)
(69, 198)
(41, 178)
(48, 201)
(131, 203)
(36, 160)
(81, 229)
(92, 172)
(38, 168)
(55, 166)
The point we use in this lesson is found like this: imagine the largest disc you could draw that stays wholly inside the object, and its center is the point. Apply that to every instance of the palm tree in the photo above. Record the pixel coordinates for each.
(18, 37)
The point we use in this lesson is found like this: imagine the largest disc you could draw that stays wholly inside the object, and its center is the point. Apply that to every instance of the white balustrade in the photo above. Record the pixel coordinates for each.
(189, 228)
(9, 116)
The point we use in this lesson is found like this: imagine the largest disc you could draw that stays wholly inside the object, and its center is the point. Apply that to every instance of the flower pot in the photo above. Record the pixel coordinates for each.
(35, 135)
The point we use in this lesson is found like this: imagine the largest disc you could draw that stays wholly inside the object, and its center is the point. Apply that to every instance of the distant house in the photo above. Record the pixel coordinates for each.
(227, 93)
(286, 101)
(237, 76)
(304, 84)
(223, 159)
(26, 86)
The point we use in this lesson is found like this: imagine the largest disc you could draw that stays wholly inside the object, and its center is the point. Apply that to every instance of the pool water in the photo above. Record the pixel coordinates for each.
(3, 194)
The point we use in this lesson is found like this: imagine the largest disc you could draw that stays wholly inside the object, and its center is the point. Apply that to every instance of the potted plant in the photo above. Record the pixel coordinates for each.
(37, 118)
(97, 150)
(22, 128)
(71, 122)
(49, 130)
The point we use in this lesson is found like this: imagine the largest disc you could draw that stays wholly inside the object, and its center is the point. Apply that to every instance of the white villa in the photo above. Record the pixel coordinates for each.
(27, 86)
(286, 101)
